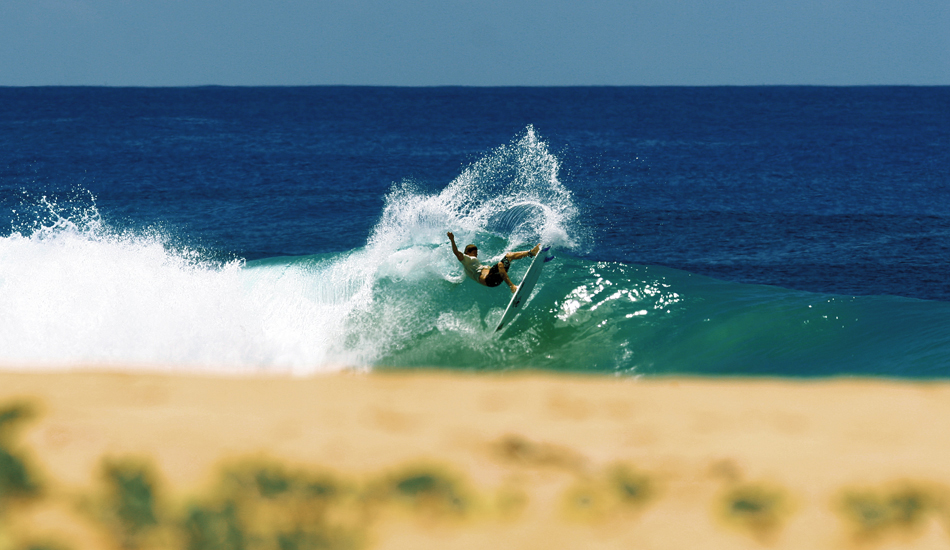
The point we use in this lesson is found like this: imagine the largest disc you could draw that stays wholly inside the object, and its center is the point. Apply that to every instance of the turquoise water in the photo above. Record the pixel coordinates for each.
(609, 317)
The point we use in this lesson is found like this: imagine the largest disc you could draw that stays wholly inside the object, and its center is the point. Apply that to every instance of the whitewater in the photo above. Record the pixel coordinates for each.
(78, 292)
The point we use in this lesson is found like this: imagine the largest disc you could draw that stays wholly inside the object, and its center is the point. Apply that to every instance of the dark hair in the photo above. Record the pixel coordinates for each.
(471, 248)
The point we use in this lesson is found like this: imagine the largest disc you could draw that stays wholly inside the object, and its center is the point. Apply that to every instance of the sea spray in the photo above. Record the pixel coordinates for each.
(512, 197)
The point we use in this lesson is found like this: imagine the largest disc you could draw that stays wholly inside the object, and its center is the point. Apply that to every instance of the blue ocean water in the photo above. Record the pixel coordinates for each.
(767, 231)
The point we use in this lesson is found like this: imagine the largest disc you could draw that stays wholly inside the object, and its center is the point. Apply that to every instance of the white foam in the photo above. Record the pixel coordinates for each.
(85, 295)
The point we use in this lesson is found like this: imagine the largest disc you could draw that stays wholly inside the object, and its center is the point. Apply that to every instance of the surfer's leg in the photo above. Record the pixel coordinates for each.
(523, 254)
(503, 270)
(483, 274)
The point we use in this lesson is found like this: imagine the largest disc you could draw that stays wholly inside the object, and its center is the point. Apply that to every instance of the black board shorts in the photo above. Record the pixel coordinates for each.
(494, 277)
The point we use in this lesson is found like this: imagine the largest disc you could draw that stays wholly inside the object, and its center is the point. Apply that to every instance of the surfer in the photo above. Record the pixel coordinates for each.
(489, 276)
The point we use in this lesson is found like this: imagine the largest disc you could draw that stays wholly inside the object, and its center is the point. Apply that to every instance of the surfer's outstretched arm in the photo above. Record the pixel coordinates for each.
(455, 249)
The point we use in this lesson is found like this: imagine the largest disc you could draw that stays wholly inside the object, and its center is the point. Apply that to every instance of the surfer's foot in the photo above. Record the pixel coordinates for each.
(513, 288)
(534, 251)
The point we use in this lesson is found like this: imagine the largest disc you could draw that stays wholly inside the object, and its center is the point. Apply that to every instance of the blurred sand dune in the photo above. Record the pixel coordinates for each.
(437, 460)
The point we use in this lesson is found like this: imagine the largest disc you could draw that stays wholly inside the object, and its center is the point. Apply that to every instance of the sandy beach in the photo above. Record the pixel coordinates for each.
(445, 460)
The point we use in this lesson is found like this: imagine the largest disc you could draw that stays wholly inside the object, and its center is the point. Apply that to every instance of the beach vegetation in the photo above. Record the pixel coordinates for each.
(619, 489)
(430, 490)
(133, 494)
(632, 487)
(17, 479)
(758, 508)
(213, 528)
(264, 505)
(271, 482)
(127, 506)
(901, 507)
(518, 450)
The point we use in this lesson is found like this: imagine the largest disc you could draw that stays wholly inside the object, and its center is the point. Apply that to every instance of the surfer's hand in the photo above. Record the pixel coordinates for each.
(451, 236)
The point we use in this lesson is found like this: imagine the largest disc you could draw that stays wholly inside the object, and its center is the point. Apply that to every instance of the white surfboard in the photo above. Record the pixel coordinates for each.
(524, 289)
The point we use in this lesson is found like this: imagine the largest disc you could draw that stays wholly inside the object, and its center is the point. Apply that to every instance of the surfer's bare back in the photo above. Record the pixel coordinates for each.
(489, 276)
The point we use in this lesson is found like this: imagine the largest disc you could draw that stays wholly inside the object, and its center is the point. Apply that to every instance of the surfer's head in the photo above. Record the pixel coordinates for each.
(471, 250)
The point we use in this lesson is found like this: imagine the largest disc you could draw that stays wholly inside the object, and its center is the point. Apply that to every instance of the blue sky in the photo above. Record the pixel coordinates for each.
(474, 43)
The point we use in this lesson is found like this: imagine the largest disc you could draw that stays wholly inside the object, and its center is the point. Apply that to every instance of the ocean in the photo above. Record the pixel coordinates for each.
(721, 231)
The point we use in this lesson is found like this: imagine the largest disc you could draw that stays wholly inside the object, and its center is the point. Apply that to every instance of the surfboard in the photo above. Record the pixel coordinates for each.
(524, 289)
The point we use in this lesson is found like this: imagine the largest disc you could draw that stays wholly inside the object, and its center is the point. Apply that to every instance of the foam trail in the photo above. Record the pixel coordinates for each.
(75, 292)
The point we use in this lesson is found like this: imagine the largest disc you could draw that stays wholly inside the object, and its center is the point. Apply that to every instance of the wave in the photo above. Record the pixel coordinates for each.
(76, 292)
(608, 317)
